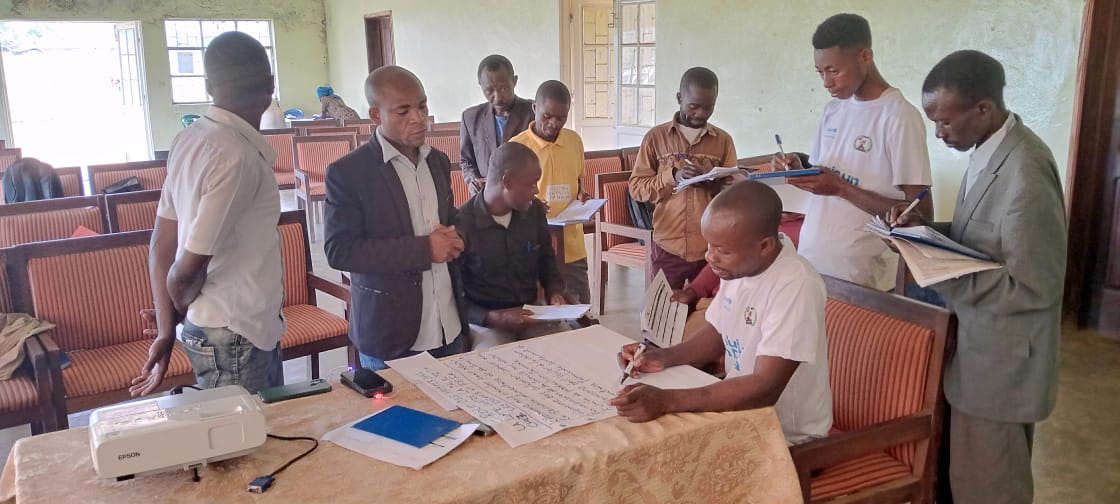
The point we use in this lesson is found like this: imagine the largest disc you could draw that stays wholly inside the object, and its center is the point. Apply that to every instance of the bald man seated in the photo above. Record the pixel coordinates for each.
(389, 217)
(767, 320)
(508, 252)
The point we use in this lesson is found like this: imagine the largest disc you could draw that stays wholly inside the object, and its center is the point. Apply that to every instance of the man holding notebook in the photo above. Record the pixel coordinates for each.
(1004, 375)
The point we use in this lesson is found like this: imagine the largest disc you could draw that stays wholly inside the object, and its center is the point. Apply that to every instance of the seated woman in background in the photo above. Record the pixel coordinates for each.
(333, 106)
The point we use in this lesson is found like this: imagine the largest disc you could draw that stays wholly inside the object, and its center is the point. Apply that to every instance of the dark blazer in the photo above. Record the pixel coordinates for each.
(369, 234)
(478, 135)
(1005, 367)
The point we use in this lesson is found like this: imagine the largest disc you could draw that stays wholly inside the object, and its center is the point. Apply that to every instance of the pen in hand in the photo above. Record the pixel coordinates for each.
(898, 219)
(630, 366)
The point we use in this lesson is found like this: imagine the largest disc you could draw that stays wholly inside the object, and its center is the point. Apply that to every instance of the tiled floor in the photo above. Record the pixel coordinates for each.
(1077, 450)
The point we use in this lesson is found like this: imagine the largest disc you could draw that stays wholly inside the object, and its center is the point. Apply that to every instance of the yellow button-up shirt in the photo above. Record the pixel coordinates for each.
(561, 168)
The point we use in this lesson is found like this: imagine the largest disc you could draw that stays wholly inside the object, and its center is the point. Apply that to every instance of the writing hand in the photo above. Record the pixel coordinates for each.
(652, 359)
(787, 161)
(895, 217)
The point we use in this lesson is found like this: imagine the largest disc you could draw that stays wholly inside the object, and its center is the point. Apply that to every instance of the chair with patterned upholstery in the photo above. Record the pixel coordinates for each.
(311, 329)
(24, 398)
(629, 155)
(312, 155)
(365, 126)
(617, 241)
(9, 156)
(304, 124)
(446, 126)
(94, 290)
(150, 173)
(53, 219)
(131, 211)
(284, 167)
(885, 356)
(446, 141)
(459, 191)
(594, 163)
(71, 178)
(351, 130)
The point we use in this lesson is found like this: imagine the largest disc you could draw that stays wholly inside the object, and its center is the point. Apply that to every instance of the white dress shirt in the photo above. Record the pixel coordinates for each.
(439, 316)
(983, 152)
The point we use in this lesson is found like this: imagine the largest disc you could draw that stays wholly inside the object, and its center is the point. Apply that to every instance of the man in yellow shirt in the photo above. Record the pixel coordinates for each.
(560, 151)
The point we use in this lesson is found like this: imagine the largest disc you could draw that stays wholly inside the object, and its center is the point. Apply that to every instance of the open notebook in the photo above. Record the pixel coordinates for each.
(931, 256)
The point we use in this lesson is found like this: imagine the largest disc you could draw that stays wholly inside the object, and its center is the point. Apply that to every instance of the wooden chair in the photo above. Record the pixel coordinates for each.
(132, 211)
(9, 156)
(71, 178)
(53, 219)
(594, 163)
(629, 155)
(447, 126)
(886, 356)
(351, 130)
(447, 142)
(312, 155)
(617, 241)
(93, 289)
(365, 126)
(756, 163)
(284, 168)
(304, 124)
(311, 329)
(151, 174)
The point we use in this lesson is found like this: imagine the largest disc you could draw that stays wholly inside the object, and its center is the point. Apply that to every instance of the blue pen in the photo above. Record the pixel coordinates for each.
(912, 205)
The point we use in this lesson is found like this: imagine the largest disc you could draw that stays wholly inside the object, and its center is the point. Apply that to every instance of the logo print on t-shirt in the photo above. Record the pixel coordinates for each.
(863, 143)
(750, 316)
(733, 349)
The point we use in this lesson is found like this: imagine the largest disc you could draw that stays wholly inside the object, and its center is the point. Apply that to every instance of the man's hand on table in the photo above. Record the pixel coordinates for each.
(642, 403)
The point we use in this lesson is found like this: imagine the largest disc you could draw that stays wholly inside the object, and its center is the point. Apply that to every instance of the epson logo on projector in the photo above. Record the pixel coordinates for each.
(128, 455)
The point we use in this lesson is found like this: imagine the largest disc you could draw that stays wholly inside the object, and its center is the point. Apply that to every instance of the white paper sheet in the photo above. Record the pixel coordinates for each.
(531, 389)
(713, 174)
(410, 368)
(561, 312)
(396, 452)
(577, 212)
(662, 319)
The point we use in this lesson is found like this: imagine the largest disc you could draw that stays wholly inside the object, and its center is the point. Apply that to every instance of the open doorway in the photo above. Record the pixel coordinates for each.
(75, 91)
(379, 40)
(590, 53)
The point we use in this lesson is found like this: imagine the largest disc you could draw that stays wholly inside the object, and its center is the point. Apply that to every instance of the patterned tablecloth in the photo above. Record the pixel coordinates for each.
(736, 457)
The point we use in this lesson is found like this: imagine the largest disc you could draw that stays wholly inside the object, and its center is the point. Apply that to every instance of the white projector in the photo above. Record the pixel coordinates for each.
(174, 432)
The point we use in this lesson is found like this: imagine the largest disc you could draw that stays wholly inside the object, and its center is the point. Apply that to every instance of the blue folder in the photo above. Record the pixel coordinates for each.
(407, 425)
(785, 173)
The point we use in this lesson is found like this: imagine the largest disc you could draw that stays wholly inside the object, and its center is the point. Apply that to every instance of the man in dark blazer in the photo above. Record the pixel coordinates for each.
(1003, 377)
(488, 125)
(389, 216)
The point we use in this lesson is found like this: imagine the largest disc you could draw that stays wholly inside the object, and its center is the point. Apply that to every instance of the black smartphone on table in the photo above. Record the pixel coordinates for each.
(302, 389)
(366, 382)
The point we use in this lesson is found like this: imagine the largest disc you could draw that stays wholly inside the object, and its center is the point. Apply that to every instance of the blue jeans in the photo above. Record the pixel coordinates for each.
(222, 357)
(376, 363)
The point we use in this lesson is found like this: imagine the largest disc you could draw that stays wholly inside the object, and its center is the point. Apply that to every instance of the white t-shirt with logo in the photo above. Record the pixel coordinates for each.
(878, 145)
(780, 313)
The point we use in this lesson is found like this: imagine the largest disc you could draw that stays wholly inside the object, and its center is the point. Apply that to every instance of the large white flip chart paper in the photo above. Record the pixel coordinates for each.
(531, 389)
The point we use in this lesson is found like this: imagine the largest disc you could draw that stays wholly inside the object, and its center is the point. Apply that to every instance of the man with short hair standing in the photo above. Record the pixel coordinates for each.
(487, 126)
(215, 255)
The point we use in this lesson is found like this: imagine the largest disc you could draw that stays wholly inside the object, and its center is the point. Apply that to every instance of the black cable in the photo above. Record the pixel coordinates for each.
(304, 454)
(179, 389)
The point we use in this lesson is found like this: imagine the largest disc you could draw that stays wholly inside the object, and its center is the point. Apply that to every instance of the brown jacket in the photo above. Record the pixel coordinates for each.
(676, 217)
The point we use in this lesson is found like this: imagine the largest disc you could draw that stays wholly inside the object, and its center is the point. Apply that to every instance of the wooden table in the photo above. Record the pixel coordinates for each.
(711, 457)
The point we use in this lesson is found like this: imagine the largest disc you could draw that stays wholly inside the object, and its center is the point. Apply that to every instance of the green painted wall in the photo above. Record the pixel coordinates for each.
(763, 56)
(298, 26)
(442, 41)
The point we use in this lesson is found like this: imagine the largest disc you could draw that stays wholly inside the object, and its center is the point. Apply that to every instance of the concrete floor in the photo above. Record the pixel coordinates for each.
(1077, 449)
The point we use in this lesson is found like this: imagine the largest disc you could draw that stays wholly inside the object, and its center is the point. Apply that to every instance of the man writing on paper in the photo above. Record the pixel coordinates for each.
(389, 217)
(871, 146)
(767, 320)
(1004, 375)
(560, 151)
(508, 252)
(488, 125)
(674, 151)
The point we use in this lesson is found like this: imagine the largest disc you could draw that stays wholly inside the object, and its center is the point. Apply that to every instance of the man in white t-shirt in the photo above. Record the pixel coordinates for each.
(871, 148)
(767, 321)
(215, 255)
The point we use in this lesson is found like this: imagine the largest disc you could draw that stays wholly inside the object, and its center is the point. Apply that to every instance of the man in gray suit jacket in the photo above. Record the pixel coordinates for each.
(389, 212)
(487, 126)
(1004, 375)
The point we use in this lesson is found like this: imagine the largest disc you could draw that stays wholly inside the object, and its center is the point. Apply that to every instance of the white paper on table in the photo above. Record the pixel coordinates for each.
(531, 389)
(662, 319)
(396, 452)
(578, 211)
(561, 312)
(713, 174)
(408, 367)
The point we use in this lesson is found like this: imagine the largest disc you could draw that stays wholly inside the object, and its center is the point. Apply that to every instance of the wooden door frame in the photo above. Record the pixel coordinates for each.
(388, 56)
(1095, 107)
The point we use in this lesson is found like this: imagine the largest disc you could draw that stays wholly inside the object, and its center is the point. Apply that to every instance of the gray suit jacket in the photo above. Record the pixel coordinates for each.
(1006, 363)
(369, 233)
(478, 135)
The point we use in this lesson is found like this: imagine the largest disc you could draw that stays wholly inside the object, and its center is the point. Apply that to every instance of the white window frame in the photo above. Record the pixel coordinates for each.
(620, 85)
(270, 47)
